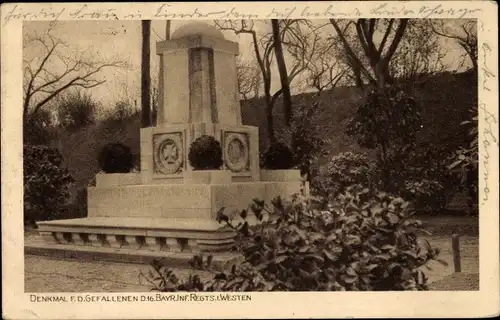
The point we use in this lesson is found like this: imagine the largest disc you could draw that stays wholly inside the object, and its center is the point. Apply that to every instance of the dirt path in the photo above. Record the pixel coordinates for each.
(469, 251)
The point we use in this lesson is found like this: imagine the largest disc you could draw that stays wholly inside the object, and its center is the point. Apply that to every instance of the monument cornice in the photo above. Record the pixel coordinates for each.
(197, 41)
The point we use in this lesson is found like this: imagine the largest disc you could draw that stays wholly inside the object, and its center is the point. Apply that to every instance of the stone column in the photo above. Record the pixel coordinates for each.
(202, 98)
(199, 82)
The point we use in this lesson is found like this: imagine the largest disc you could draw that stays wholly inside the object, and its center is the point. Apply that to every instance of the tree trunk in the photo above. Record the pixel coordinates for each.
(145, 74)
(474, 63)
(270, 119)
(280, 60)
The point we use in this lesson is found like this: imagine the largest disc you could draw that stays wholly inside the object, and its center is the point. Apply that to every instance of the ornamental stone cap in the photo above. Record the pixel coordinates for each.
(197, 35)
(197, 29)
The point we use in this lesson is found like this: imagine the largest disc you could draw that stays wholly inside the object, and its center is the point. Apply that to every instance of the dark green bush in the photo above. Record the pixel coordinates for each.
(343, 170)
(308, 141)
(465, 161)
(115, 158)
(427, 182)
(39, 129)
(76, 109)
(46, 183)
(205, 153)
(360, 243)
(388, 123)
(278, 157)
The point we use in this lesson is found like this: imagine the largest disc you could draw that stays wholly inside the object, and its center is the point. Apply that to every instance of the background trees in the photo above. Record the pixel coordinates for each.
(54, 71)
(465, 34)
(371, 65)
(53, 82)
(76, 109)
(297, 39)
(249, 79)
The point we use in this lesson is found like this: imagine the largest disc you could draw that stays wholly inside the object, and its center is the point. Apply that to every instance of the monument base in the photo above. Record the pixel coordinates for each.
(182, 201)
(153, 234)
(163, 218)
(38, 247)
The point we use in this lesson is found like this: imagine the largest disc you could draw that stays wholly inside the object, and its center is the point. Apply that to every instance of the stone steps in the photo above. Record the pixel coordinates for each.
(152, 234)
(38, 247)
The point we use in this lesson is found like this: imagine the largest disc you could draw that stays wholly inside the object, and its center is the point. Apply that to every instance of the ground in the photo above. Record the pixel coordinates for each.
(43, 274)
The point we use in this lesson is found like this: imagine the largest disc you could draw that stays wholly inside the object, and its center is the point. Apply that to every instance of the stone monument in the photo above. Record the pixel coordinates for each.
(168, 207)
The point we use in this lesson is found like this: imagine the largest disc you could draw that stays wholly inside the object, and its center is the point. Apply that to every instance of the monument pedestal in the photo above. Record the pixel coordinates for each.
(176, 217)
(168, 209)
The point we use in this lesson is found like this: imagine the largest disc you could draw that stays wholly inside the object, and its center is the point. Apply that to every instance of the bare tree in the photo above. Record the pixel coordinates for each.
(52, 72)
(465, 35)
(248, 78)
(326, 70)
(280, 60)
(155, 95)
(145, 74)
(419, 53)
(378, 56)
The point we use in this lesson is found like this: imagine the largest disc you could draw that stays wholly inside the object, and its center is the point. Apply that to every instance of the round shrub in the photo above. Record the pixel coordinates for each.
(46, 183)
(278, 157)
(205, 153)
(116, 158)
(344, 170)
(362, 242)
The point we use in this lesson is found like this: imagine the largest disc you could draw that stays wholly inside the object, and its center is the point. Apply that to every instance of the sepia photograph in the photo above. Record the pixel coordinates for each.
(206, 153)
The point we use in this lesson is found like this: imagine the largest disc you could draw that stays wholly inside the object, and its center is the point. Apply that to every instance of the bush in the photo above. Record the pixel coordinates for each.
(361, 243)
(309, 141)
(76, 109)
(116, 158)
(388, 122)
(424, 179)
(46, 183)
(465, 162)
(118, 113)
(39, 129)
(343, 170)
(278, 157)
(205, 153)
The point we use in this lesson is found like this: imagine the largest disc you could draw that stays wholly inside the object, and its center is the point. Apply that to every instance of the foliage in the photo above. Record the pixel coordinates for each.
(425, 179)
(308, 141)
(38, 129)
(388, 122)
(115, 158)
(76, 109)
(358, 243)
(46, 183)
(205, 153)
(387, 116)
(426, 195)
(466, 159)
(343, 170)
(121, 111)
(277, 157)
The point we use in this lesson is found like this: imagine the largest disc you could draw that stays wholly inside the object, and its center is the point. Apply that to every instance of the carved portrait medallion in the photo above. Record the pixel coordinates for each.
(168, 153)
(236, 151)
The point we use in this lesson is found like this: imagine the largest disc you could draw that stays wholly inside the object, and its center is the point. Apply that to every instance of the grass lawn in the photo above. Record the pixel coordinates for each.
(448, 225)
